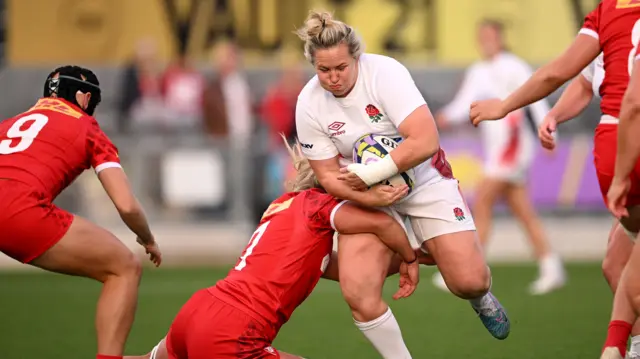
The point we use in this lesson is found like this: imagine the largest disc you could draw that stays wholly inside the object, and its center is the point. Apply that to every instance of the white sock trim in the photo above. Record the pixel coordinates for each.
(374, 323)
(154, 351)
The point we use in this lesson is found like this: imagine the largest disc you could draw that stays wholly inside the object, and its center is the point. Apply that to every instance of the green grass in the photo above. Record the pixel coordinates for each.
(51, 316)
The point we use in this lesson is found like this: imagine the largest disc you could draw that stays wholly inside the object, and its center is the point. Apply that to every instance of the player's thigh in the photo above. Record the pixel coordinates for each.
(619, 249)
(445, 228)
(363, 261)
(90, 251)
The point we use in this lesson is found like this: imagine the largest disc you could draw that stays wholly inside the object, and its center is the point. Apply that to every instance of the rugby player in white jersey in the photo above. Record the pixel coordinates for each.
(509, 149)
(574, 100)
(354, 94)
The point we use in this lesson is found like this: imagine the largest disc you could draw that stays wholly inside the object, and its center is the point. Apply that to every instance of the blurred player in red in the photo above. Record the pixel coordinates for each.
(613, 28)
(241, 315)
(42, 151)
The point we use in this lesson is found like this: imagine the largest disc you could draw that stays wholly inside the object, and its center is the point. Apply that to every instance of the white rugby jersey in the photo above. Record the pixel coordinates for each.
(383, 96)
(498, 78)
(594, 73)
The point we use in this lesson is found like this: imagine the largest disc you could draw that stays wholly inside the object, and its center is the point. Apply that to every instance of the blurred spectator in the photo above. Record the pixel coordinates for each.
(182, 87)
(279, 105)
(141, 101)
(278, 113)
(227, 100)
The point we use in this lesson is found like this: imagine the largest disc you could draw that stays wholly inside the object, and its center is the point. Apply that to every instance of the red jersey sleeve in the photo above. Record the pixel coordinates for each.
(321, 209)
(102, 152)
(591, 24)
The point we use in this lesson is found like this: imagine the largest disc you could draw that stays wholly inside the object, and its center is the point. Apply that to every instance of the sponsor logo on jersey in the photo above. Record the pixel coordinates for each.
(306, 145)
(624, 4)
(374, 114)
(336, 126)
(459, 213)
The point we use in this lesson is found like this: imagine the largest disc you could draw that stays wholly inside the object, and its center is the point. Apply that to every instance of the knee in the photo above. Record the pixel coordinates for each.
(365, 301)
(129, 266)
(470, 284)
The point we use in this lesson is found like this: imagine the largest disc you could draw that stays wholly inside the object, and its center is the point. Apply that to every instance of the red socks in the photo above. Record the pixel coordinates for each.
(100, 356)
(618, 336)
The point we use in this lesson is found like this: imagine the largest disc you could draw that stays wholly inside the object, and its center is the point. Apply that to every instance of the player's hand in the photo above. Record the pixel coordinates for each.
(153, 250)
(545, 132)
(409, 278)
(487, 110)
(384, 195)
(352, 180)
(617, 197)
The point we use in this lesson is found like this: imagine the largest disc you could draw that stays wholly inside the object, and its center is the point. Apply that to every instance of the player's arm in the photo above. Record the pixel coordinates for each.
(628, 149)
(105, 161)
(352, 219)
(574, 99)
(407, 109)
(457, 111)
(117, 186)
(333, 270)
(584, 49)
(322, 155)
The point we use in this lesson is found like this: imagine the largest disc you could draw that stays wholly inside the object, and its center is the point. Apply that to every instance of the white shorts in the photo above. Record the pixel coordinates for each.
(436, 209)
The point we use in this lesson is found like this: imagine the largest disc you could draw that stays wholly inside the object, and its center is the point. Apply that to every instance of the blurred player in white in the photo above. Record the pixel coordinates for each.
(509, 149)
(354, 94)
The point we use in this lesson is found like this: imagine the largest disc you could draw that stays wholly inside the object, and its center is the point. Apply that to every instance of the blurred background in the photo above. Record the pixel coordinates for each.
(195, 93)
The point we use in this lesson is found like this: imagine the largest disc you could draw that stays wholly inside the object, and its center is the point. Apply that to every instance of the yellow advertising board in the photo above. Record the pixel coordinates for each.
(106, 31)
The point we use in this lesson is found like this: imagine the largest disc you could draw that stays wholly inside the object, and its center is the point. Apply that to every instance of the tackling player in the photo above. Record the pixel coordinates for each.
(614, 29)
(42, 151)
(290, 250)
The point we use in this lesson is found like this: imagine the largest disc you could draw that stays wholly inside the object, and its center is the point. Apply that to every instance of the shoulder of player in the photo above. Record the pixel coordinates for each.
(310, 90)
(514, 61)
(379, 63)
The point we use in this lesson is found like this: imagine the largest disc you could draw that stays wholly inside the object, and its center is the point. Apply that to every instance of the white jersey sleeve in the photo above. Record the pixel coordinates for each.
(397, 92)
(457, 111)
(588, 71)
(316, 144)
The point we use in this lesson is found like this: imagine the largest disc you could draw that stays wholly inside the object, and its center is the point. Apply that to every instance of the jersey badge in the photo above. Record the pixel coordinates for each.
(374, 114)
(270, 350)
(459, 213)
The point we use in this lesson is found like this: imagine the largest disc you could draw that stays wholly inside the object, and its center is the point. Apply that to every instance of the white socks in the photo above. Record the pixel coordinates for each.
(635, 345)
(384, 333)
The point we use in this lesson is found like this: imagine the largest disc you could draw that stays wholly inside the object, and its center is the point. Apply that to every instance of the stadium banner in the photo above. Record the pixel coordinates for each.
(107, 31)
(564, 179)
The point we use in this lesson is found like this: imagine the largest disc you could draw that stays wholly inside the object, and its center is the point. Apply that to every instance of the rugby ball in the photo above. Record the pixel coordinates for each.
(371, 147)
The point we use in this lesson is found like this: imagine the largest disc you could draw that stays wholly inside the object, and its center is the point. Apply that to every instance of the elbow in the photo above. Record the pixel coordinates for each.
(555, 75)
(128, 207)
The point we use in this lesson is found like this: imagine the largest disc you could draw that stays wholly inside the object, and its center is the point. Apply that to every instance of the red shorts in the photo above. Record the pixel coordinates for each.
(30, 224)
(604, 158)
(207, 328)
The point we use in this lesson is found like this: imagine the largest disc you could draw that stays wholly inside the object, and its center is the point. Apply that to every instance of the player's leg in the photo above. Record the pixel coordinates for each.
(90, 251)
(489, 192)
(619, 247)
(444, 227)
(363, 261)
(626, 303)
(551, 269)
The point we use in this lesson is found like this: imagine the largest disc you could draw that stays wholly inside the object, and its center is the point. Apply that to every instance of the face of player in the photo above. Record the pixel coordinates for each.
(337, 70)
(490, 41)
